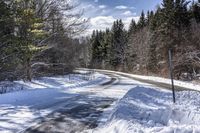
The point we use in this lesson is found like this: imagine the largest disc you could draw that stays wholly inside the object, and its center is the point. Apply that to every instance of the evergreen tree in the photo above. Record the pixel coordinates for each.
(106, 43)
(119, 42)
(154, 24)
(142, 21)
(196, 11)
(94, 49)
(173, 17)
(8, 44)
(30, 31)
(150, 15)
(132, 27)
(181, 13)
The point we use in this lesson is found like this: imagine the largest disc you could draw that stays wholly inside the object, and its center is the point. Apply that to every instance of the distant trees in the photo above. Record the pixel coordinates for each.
(143, 48)
(109, 47)
(117, 48)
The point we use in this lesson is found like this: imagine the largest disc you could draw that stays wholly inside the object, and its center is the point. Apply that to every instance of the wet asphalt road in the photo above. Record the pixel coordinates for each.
(81, 114)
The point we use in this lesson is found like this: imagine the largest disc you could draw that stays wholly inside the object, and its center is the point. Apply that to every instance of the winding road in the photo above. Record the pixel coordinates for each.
(85, 111)
(82, 113)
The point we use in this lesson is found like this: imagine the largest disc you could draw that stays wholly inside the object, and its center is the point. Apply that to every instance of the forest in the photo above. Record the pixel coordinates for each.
(42, 38)
(143, 48)
(36, 38)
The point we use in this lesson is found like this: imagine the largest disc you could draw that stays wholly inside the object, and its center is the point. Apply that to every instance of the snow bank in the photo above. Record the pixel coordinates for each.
(147, 110)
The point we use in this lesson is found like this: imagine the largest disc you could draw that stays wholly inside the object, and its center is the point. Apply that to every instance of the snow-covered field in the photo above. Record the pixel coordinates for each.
(139, 107)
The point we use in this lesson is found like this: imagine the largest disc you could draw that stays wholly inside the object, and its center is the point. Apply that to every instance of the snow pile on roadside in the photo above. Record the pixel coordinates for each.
(151, 110)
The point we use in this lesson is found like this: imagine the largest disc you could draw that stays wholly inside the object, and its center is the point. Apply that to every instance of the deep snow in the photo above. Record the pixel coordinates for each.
(149, 110)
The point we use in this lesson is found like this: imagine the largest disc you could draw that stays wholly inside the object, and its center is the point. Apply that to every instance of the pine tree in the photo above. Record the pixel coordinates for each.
(181, 13)
(106, 43)
(150, 15)
(154, 24)
(30, 31)
(8, 45)
(196, 11)
(132, 27)
(142, 21)
(119, 42)
(173, 17)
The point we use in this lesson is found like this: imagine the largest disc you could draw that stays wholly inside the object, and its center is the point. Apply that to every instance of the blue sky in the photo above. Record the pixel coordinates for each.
(102, 13)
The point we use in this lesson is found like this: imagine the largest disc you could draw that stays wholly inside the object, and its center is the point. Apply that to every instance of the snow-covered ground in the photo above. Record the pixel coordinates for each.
(20, 109)
(149, 109)
(138, 107)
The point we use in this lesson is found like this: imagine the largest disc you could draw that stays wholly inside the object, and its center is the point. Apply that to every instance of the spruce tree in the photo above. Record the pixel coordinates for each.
(30, 32)
(142, 21)
(106, 43)
(8, 46)
(132, 27)
(196, 11)
(119, 42)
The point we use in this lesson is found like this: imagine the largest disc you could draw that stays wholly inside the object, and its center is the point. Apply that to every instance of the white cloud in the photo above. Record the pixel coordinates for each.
(127, 21)
(132, 7)
(96, 0)
(103, 12)
(99, 23)
(134, 14)
(103, 22)
(102, 6)
(121, 7)
(87, 7)
(127, 13)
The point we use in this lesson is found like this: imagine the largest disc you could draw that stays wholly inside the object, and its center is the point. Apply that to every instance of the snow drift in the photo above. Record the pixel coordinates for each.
(147, 110)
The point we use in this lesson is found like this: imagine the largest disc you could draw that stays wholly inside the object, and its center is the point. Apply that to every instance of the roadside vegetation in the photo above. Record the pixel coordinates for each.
(37, 38)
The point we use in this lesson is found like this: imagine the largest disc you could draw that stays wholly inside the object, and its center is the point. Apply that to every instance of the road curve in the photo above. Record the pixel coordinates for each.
(84, 110)
(81, 114)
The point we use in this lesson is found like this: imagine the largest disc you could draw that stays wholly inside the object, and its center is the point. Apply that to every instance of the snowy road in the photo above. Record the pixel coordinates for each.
(108, 103)
(87, 110)
(57, 99)
(81, 113)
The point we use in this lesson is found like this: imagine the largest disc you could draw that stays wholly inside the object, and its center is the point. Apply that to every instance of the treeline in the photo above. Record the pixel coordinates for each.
(36, 38)
(143, 48)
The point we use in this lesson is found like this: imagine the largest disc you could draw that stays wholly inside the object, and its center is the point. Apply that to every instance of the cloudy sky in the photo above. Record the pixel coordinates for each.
(102, 13)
